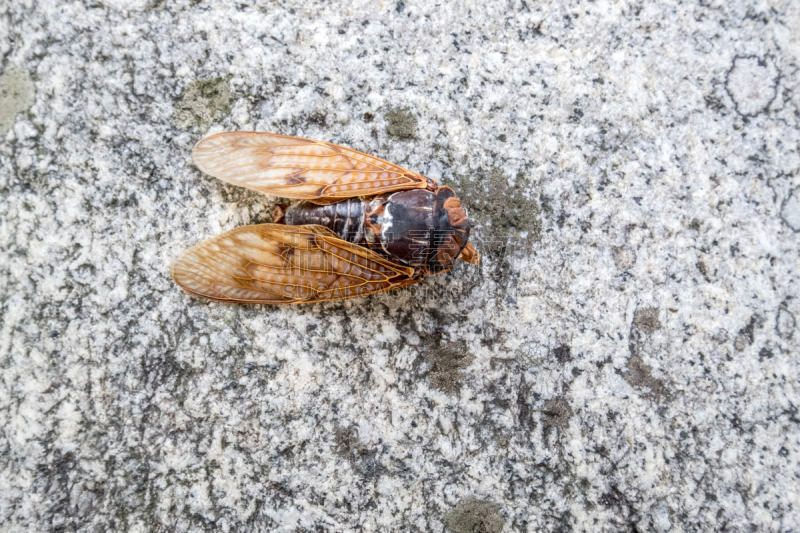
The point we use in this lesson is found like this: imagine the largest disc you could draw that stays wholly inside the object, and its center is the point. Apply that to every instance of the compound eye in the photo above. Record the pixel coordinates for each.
(456, 214)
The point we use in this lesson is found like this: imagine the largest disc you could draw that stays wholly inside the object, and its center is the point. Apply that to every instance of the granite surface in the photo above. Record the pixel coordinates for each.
(624, 359)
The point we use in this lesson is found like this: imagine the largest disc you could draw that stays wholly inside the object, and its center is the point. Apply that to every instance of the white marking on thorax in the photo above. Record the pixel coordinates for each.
(360, 230)
(346, 228)
(385, 221)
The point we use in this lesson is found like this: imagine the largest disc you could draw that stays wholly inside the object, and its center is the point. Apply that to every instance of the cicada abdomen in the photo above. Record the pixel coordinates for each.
(345, 218)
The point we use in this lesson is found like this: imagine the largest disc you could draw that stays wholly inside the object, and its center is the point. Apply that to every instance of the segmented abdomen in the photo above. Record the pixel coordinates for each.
(345, 218)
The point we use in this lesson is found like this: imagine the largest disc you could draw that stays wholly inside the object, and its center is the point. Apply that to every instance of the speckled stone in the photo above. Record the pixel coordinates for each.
(624, 358)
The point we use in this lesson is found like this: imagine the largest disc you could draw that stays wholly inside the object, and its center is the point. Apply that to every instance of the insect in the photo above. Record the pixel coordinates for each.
(364, 226)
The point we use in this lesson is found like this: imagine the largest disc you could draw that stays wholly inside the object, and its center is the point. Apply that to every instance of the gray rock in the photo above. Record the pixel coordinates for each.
(624, 358)
(474, 516)
(16, 95)
(752, 83)
(790, 212)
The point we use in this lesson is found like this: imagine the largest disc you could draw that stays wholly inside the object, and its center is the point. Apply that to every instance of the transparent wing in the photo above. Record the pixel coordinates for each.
(275, 263)
(292, 167)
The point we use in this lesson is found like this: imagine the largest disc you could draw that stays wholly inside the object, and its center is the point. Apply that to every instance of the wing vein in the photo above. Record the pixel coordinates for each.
(293, 167)
(314, 265)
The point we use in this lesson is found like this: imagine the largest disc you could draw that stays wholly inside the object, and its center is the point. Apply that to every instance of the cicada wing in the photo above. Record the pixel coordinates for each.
(293, 167)
(275, 263)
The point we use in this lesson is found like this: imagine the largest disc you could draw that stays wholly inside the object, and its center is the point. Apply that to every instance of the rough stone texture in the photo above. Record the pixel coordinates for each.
(624, 359)
(16, 95)
(474, 516)
(752, 84)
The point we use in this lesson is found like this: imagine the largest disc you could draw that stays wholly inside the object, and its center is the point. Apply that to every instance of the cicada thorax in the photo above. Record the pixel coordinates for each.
(420, 228)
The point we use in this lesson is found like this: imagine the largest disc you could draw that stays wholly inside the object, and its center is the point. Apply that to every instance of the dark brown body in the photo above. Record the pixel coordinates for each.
(421, 228)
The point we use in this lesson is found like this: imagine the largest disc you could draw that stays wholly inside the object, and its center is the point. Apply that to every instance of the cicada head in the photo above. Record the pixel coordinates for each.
(451, 236)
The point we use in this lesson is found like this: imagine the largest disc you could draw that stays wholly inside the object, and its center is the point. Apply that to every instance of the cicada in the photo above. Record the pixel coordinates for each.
(364, 225)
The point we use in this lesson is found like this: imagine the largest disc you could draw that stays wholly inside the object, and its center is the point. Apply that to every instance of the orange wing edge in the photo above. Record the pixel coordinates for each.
(403, 277)
(322, 195)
